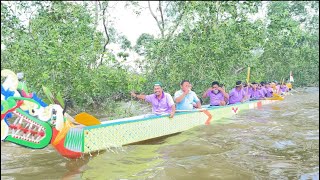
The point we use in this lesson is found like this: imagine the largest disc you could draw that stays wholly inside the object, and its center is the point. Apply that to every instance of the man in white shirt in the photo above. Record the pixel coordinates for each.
(185, 98)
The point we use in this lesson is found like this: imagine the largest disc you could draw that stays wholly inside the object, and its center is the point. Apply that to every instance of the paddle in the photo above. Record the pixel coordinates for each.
(291, 77)
(82, 118)
(275, 97)
(63, 132)
(86, 119)
(248, 78)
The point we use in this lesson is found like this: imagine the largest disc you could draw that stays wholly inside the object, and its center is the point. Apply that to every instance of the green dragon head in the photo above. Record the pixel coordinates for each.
(25, 119)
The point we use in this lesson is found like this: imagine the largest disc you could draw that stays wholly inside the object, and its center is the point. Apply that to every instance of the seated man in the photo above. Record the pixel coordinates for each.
(283, 88)
(275, 87)
(185, 98)
(237, 94)
(218, 97)
(161, 102)
(255, 92)
(269, 90)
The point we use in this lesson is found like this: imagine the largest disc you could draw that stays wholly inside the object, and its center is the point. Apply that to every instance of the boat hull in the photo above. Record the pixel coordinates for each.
(120, 132)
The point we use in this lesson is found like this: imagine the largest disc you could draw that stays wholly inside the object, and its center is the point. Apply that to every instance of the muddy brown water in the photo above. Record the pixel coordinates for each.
(280, 141)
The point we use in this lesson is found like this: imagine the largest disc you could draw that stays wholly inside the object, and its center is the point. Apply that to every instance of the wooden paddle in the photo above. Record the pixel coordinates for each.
(248, 79)
(63, 132)
(291, 77)
(275, 97)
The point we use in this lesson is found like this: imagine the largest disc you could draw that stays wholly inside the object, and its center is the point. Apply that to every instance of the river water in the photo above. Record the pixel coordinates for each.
(279, 141)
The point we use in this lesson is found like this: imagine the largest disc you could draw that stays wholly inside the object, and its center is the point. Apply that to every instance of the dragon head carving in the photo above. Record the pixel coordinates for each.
(25, 119)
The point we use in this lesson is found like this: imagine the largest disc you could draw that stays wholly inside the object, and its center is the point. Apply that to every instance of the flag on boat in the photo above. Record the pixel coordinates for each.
(291, 77)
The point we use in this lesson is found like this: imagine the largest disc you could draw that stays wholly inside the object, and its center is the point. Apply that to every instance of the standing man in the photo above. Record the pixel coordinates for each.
(185, 98)
(161, 102)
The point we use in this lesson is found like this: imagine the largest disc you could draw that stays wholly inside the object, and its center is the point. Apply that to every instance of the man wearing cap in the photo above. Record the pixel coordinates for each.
(162, 102)
(237, 94)
(185, 98)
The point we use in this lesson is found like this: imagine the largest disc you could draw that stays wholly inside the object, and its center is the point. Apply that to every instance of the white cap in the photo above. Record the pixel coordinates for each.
(20, 75)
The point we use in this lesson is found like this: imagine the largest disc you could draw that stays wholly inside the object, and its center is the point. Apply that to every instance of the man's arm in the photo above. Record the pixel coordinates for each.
(205, 94)
(226, 95)
(140, 96)
(173, 107)
(198, 104)
(245, 97)
(180, 98)
(196, 99)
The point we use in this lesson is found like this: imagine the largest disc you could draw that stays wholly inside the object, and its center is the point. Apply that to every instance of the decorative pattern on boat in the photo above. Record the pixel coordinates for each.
(74, 139)
(120, 133)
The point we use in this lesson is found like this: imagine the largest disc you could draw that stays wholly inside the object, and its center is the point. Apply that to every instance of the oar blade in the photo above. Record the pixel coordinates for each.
(86, 119)
(276, 97)
(248, 75)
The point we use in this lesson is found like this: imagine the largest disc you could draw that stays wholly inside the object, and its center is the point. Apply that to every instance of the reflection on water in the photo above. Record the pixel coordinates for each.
(279, 141)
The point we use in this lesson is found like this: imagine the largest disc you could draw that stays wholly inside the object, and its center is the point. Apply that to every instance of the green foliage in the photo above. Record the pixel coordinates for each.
(219, 42)
(60, 49)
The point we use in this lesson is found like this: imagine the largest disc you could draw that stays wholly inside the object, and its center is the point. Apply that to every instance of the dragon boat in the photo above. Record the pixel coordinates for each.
(27, 121)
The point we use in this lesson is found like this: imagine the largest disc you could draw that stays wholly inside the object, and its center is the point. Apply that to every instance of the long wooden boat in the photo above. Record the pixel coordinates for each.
(28, 122)
(116, 133)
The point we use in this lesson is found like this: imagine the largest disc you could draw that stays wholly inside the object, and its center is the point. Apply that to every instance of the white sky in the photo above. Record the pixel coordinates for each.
(132, 25)
(127, 23)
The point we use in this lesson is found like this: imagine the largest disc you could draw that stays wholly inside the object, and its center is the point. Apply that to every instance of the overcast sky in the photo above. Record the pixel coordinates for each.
(132, 25)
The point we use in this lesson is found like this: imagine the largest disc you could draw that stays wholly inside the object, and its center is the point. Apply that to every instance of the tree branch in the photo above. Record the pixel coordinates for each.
(162, 20)
(178, 23)
(155, 17)
(105, 30)
(239, 70)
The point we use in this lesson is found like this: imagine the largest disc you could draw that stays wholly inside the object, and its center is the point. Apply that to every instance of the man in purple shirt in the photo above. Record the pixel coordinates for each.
(237, 94)
(255, 92)
(263, 88)
(269, 90)
(218, 97)
(162, 102)
(283, 88)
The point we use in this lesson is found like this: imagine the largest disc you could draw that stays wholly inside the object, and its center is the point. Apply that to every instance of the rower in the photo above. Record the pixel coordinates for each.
(237, 94)
(218, 96)
(161, 101)
(185, 98)
(255, 93)
(288, 84)
(269, 90)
